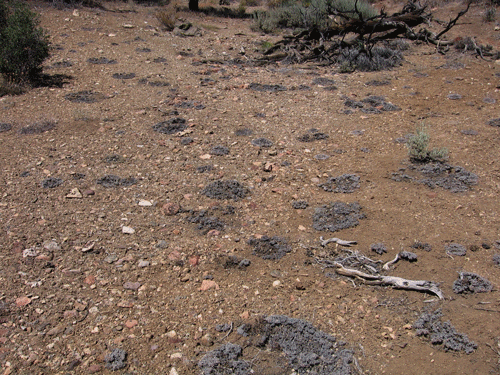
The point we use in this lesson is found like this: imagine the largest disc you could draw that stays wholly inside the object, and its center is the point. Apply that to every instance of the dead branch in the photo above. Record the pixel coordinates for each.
(396, 282)
(336, 240)
(453, 21)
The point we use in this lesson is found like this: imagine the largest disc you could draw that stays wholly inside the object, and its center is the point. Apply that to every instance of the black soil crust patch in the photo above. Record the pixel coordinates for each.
(346, 183)
(172, 126)
(51, 182)
(372, 104)
(85, 96)
(110, 181)
(270, 247)
(101, 60)
(5, 127)
(449, 177)
(289, 343)
(312, 135)
(468, 283)
(443, 333)
(337, 216)
(229, 189)
(38, 127)
(206, 221)
(123, 75)
(262, 142)
(266, 88)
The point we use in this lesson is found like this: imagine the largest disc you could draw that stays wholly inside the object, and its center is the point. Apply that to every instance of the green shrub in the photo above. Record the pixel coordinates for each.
(23, 45)
(307, 14)
(490, 14)
(418, 148)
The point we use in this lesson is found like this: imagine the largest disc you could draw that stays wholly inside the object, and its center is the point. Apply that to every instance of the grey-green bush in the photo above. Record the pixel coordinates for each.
(307, 14)
(418, 148)
(23, 44)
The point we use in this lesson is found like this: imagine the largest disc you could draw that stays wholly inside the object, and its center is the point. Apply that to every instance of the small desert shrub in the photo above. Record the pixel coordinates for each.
(418, 148)
(379, 58)
(167, 17)
(23, 45)
(250, 3)
(306, 14)
(490, 14)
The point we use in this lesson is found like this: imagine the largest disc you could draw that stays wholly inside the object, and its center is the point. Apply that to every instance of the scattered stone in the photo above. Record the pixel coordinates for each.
(172, 126)
(128, 230)
(489, 100)
(111, 258)
(131, 285)
(346, 183)
(115, 360)
(186, 141)
(51, 183)
(455, 249)
(145, 203)
(51, 246)
(114, 159)
(454, 96)
(229, 189)
(439, 333)
(337, 216)
(74, 194)
(321, 157)
(23, 301)
(300, 204)
(208, 284)
(378, 248)
(262, 142)
(143, 263)
(270, 247)
(31, 252)
(171, 209)
(469, 282)
(94, 368)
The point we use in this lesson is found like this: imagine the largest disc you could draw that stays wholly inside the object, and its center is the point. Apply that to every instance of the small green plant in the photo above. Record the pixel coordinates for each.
(418, 148)
(23, 44)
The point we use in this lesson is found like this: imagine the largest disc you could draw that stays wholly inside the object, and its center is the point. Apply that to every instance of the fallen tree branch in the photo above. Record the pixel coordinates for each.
(336, 240)
(396, 282)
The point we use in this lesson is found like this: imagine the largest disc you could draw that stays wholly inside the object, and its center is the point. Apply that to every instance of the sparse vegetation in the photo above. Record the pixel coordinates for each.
(23, 44)
(418, 148)
(307, 14)
(167, 17)
(490, 14)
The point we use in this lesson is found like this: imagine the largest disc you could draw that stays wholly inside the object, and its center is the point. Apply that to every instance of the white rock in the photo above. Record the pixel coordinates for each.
(74, 193)
(128, 230)
(173, 371)
(276, 283)
(144, 203)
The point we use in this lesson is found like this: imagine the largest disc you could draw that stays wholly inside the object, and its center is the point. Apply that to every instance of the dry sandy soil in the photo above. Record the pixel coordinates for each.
(147, 263)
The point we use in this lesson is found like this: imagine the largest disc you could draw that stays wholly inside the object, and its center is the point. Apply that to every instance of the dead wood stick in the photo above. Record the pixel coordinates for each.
(336, 240)
(453, 21)
(396, 282)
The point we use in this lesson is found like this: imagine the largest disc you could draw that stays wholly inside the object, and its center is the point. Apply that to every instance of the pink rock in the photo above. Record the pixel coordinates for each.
(174, 255)
(92, 369)
(208, 284)
(131, 323)
(23, 301)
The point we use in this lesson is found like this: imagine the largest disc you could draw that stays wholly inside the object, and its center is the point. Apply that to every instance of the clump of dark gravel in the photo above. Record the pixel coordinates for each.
(115, 158)
(186, 141)
(110, 181)
(346, 183)
(262, 142)
(172, 126)
(204, 168)
(219, 151)
(85, 96)
(243, 132)
(116, 359)
(377, 83)
(101, 60)
(372, 104)
(408, 255)
(270, 247)
(225, 361)
(421, 246)
(469, 282)
(38, 127)
(439, 333)
(267, 88)
(312, 135)
(378, 248)
(494, 122)
(453, 178)
(229, 189)
(496, 259)
(337, 216)
(123, 75)
(206, 222)
(455, 249)
(232, 261)
(5, 127)
(300, 205)
(51, 182)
